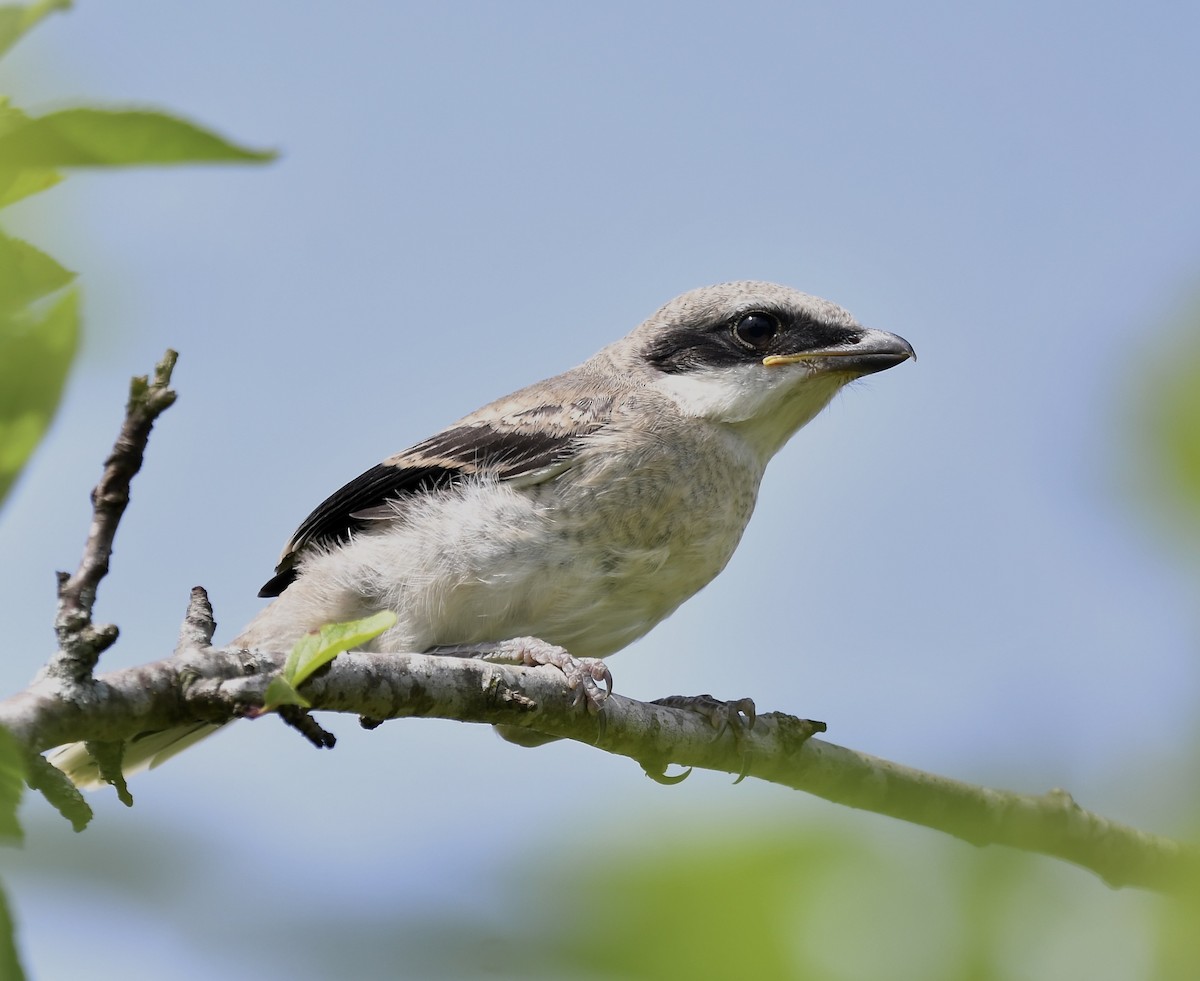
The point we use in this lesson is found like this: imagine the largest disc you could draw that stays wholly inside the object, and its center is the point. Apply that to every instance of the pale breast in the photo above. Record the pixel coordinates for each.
(640, 531)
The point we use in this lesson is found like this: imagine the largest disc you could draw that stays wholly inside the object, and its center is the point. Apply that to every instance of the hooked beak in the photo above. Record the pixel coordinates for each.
(874, 350)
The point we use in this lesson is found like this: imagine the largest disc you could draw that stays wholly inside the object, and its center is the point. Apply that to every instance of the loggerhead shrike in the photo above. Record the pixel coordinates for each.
(581, 510)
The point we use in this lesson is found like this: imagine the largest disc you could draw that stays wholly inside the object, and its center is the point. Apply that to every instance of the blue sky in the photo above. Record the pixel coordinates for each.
(949, 565)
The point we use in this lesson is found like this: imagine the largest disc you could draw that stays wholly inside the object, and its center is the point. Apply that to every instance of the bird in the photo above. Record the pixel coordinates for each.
(560, 523)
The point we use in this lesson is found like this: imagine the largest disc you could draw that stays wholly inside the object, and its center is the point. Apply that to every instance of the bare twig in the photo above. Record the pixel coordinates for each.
(199, 625)
(302, 721)
(80, 641)
(53, 784)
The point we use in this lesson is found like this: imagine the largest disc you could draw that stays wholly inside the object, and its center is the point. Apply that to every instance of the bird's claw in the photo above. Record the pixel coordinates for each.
(584, 674)
(738, 716)
(658, 773)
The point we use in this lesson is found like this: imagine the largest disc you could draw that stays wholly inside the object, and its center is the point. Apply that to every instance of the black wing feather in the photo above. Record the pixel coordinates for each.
(440, 461)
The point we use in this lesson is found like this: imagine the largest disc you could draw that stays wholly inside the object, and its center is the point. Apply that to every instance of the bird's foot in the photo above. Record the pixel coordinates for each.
(584, 674)
(738, 715)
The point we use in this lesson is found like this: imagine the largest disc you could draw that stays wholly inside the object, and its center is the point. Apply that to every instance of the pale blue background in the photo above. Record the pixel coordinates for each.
(948, 566)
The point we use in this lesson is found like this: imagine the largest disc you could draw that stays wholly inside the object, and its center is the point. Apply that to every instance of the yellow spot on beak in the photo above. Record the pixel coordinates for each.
(771, 360)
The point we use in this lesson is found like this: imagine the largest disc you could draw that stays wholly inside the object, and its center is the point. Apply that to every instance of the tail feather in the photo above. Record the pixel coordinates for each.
(142, 752)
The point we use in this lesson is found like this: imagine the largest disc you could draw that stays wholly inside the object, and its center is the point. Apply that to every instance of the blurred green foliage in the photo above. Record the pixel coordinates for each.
(12, 785)
(39, 336)
(112, 138)
(39, 312)
(809, 901)
(1171, 409)
(774, 889)
(10, 963)
(39, 309)
(16, 19)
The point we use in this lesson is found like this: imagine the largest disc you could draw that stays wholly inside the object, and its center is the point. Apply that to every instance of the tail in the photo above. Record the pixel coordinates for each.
(142, 752)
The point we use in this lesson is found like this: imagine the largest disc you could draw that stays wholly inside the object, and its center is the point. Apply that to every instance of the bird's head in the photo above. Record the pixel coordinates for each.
(761, 357)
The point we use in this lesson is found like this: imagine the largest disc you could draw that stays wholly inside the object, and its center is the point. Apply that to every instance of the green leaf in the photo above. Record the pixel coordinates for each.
(12, 785)
(35, 358)
(318, 647)
(87, 137)
(27, 274)
(280, 692)
(15, 20)
(10, 962)
(10, 116)
(15, 185)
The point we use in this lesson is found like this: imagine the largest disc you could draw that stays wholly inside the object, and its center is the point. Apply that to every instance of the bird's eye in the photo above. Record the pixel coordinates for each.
(756, 330)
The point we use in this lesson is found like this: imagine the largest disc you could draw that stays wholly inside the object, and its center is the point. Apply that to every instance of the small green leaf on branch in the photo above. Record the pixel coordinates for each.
(316, 649)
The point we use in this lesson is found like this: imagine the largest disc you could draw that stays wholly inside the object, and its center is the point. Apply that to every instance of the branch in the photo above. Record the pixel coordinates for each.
(202, 684)
(216, 685)
(80, 642)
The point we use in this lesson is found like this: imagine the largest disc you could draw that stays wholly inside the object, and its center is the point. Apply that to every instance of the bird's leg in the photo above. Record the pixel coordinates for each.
(583, 674)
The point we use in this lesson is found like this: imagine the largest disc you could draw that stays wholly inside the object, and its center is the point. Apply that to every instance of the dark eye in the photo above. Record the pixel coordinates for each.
(756, 330)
